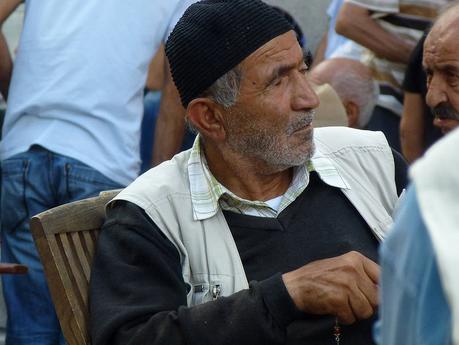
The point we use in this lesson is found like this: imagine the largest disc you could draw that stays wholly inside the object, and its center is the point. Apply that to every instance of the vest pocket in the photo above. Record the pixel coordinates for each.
(206, 292)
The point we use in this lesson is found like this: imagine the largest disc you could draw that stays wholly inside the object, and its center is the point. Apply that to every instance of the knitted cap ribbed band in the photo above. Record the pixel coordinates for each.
(214, 36)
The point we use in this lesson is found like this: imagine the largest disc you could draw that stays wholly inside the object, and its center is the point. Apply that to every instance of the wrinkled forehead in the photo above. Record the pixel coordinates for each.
(283, 49)
(442, 44)
(444, 32)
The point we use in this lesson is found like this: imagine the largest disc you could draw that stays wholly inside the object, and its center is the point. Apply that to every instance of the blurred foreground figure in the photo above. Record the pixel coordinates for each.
(419, 295)
(71, 128)
(420, 279)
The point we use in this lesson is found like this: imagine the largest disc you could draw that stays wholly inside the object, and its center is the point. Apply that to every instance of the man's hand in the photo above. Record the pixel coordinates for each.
(344, 286)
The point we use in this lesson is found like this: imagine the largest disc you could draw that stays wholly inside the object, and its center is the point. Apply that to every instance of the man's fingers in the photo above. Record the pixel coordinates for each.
(346, 315)
(370, 291)
(363, 290)
(368, 288)
(361, 305)
(371, 269)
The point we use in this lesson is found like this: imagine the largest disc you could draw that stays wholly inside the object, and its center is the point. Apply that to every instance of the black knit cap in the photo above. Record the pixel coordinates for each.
(214, 36)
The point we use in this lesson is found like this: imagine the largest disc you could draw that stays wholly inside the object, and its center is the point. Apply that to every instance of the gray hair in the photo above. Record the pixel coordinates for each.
(224, 91)
(364, 92)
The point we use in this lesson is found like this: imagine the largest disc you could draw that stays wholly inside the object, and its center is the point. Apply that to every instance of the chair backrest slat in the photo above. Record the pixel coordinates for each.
(89, 238)
(74, 266)
(66, 238)
(80, 251)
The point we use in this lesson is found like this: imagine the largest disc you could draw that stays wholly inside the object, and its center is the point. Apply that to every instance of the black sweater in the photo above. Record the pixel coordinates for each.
(138, 296)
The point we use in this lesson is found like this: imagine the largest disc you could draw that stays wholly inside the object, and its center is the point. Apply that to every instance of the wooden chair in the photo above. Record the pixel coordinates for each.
(66, 237)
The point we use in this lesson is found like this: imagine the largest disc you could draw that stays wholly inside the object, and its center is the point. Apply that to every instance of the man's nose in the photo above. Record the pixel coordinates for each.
(304, 97)
(436, 92)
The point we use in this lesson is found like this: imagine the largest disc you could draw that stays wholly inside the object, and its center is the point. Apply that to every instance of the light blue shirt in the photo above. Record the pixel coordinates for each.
(78, 79)
(413, 307)
(334, 41)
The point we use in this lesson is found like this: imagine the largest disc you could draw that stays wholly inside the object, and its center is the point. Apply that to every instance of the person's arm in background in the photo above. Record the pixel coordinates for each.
(6, 63)
(155, 77)
(355, 22)
(320, 52)
(413, 122)
(6, 66)
(412, 127)
(170, 125)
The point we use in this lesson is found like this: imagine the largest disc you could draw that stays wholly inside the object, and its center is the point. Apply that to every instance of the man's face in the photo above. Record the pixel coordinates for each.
(272, 118)
(441, 62)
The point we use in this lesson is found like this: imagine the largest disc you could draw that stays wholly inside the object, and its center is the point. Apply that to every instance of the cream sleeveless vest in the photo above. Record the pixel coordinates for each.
(210, 261)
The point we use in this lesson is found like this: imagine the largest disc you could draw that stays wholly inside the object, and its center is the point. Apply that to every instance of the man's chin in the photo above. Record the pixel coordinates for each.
(304, 156)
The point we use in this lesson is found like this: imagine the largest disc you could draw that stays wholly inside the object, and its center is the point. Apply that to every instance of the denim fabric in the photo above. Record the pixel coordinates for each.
(413, 307)
(32, 182)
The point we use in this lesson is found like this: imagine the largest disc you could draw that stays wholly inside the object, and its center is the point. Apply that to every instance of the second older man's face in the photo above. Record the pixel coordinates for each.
(441, 61)
(272, 118)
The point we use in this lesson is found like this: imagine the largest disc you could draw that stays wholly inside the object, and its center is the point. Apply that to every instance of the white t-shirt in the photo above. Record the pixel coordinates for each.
(78, 79)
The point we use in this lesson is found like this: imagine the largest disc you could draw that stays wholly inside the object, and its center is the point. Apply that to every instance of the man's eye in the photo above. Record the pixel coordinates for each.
(278, 82)
(453, 78)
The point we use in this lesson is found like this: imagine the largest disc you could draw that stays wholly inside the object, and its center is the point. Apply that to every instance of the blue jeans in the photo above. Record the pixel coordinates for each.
(32, 182)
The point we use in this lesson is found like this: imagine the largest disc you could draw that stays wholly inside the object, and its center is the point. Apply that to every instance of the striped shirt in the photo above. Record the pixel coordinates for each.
(407, 19)
(208, 195)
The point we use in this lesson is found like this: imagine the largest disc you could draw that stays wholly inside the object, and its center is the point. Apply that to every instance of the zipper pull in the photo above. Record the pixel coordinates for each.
(216, 291)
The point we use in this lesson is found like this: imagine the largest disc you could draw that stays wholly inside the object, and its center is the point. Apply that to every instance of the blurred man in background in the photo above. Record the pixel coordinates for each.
(353, 83)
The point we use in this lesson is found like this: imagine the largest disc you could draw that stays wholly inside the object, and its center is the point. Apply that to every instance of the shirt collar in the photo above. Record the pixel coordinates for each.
(206, 191)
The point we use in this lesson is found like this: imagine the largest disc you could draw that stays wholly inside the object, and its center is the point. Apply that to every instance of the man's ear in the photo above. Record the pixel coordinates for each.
(352, 112)
(206, 116)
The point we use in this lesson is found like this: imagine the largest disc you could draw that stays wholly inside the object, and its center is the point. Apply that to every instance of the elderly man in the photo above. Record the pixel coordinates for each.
(441, 64)
(420, 298)
(171, 135)
(259, 234)
(420, 126)
(353, 83)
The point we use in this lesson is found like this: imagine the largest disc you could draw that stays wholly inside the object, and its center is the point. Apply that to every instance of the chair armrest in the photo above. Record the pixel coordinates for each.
(13, 268)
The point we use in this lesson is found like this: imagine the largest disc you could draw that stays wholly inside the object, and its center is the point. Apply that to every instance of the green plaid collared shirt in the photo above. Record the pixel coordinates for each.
(207, 194)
